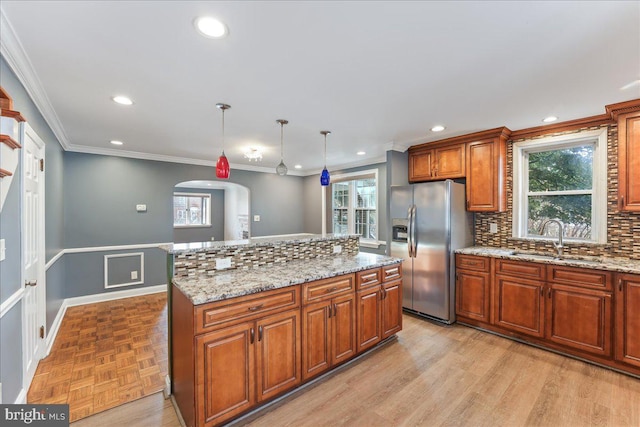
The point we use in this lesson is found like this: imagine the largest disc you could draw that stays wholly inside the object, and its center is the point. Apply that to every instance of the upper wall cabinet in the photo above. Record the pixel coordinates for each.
(629, 161)
(442, 162)
(479, 157)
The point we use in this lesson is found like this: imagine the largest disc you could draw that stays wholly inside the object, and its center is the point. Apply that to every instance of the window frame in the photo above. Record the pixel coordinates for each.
(521, 151)
(351, 178)
(203, 196)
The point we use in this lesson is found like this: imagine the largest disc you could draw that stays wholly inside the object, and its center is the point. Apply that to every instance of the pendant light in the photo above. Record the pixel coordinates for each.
(282, 169)
(222, 165)
(325, 178)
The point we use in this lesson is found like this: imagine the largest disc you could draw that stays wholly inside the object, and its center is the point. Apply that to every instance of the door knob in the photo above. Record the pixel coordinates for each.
(31, 283)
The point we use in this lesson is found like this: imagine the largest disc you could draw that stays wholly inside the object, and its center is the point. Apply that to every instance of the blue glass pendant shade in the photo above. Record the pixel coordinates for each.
(324, 177)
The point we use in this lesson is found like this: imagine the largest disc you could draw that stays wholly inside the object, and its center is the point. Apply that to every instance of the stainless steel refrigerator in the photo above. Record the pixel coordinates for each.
(428, 222)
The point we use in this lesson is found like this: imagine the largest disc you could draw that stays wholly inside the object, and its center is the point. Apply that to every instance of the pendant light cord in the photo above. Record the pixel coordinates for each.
(281, 141)
(223, 131)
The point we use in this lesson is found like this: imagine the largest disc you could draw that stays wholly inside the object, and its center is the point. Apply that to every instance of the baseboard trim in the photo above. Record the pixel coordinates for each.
(91, 299)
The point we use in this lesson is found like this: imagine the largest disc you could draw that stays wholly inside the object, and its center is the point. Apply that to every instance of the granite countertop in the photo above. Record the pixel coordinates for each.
(622, 265)
(254, 241)
(235, 283)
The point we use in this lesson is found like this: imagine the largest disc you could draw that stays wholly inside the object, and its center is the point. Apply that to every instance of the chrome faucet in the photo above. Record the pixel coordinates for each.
(558, 245)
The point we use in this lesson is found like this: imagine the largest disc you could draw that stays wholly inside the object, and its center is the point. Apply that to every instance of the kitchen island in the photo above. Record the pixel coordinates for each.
(241, 337)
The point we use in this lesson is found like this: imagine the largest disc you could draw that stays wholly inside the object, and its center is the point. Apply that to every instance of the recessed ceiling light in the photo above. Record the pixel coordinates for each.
(437, 128)
(114, 142)
(122, 100)
(550, 119)
(298, 166)
(210, 27)
(361, 153)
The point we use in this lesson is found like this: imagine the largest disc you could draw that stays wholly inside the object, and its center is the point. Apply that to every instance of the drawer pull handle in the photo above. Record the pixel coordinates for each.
(335, 288)
(392, 272)
(252, 335)
(370, 277)
(260, 333)
(620, 284)
(256, 307)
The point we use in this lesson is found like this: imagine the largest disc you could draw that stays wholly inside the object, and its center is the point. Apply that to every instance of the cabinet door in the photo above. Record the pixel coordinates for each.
(369, 310)
(343, 329)
(225, 373)
(628, 319)
(519, 305)
(316, 338)
(579, 318)
(629, 161)
(278, 354)
(392, 308)
(450, 161)
(485, 176)
(472, 295)
(421, 165)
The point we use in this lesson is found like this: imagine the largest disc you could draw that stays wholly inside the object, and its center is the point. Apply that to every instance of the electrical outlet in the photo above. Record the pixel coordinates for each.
(141, 208)
(256, 218)
(337, 249)
(3, 250)
(134, 275)
(493, 227)
(0, 392)
(222, 263)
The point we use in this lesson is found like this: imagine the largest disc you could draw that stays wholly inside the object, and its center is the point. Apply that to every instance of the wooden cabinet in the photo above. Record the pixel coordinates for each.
(473, 287)
(519, 305)
(441, 162)
(379, 305)
(628, 319)
(329, 325)
(486, 165)
(629, 161)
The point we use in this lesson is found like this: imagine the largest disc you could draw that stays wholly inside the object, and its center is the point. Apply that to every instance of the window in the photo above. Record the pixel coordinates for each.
(561, 178)
(191, 210)
(355, 204)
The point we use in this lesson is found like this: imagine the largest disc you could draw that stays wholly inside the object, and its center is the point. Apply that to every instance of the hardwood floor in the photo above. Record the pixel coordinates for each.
(439, 376)
(104, 355)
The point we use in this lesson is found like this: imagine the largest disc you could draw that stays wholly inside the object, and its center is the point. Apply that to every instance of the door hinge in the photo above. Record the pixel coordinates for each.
(41, 165)
(41, 331)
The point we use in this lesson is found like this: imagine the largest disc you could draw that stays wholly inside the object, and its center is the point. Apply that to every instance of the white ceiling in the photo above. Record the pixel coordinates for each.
(376, 74)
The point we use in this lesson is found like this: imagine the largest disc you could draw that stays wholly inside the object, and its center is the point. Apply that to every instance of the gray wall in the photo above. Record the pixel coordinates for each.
(11, 353)
(201, 234)
(10, 268)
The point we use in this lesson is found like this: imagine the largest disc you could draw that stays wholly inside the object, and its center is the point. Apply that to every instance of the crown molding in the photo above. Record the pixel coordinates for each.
(397, 146)
(17, 59)
(614, 110)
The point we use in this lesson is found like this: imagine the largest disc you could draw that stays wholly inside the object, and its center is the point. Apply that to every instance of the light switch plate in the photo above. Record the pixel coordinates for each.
(3, 250)
(337, 249)
(256, 218)
(222, 263)
(493, 227)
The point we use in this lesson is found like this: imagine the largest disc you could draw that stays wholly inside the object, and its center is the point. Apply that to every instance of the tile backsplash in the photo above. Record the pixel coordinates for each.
(623, 228)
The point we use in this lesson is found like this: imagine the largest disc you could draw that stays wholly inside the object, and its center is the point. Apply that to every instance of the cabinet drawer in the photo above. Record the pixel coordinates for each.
(520, 268)
(391, 272)
(473, 262)
(209, 316)
(327, 288)
(368, 278)
(583, 277)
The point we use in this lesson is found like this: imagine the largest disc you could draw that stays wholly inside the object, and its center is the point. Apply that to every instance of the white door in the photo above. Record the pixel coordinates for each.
(33, 302)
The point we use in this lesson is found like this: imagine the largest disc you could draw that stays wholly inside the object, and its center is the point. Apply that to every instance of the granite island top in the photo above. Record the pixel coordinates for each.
(622, 265)
(175, 248)
(225, 284)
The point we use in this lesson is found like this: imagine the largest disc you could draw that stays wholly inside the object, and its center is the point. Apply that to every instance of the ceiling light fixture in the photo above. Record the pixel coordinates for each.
(211, 27)
(222, 165)
(631, 84)
(253, 154)
(122, 100)
(437, 128)
(282, 169)
(325, 178)
(298, 166)
(361, 153)
(550, 119)
(114, 142)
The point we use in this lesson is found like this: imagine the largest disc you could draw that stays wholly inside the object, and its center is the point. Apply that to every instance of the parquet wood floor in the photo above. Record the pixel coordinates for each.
(104, 355)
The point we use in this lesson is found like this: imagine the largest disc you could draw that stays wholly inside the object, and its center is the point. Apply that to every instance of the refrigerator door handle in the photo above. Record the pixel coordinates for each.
(414, 243)
(409, 231)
